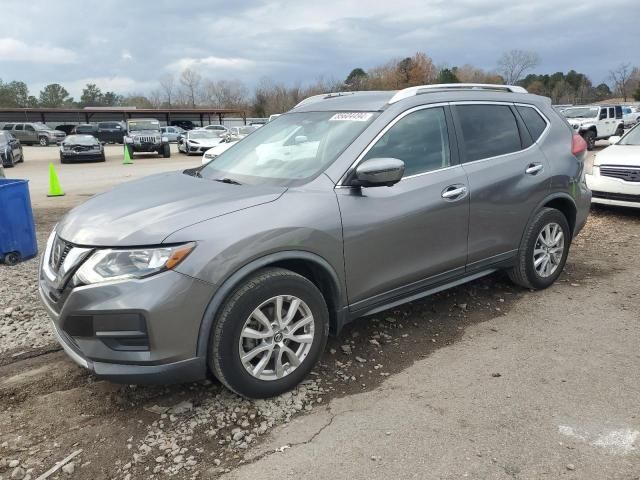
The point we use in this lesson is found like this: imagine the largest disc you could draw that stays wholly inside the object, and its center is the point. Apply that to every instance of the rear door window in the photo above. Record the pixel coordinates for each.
(533, 121)
(488, 131)
(19, 127)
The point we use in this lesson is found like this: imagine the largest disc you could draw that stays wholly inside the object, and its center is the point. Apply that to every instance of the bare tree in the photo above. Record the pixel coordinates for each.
(168, 85)
(226, 93)
(191, 79)
(514, 63)
(620, 77)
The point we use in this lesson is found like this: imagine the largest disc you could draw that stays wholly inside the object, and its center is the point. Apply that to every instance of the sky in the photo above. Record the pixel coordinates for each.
(127, 45)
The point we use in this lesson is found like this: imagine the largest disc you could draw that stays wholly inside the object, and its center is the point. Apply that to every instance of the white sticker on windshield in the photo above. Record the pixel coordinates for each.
(351, 117)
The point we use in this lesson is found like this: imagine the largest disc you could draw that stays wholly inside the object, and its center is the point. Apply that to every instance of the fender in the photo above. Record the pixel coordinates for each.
(234, 280)
(547, 199)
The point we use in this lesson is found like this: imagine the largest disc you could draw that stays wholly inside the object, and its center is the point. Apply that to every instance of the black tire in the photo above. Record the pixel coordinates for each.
(43, 141)
(21, 155)
(524, 272)
(166, 150)
(12, 258)
(103, 158)
(12, 161)
(590, 137)
(619, 131)
(62, 159)
(224, 348)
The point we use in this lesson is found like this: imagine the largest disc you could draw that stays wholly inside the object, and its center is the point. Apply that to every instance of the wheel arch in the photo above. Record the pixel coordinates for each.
(311, 266)
(562, 202)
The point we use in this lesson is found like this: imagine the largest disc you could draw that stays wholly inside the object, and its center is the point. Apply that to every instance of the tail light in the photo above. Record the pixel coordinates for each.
(578, 145)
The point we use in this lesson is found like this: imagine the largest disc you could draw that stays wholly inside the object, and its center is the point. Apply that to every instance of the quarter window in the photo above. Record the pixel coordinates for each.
(419, 139)
(488, 131)
(533, 121)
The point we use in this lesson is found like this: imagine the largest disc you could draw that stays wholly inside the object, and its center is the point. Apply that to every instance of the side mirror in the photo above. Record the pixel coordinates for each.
(614, 139)
(301, 139)
(378, 172)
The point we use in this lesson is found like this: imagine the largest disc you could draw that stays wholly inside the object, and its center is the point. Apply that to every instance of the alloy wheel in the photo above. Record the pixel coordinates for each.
(277, 337)
(548, 250)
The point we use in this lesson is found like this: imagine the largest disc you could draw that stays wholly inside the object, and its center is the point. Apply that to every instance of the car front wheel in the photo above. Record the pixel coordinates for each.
(269, 334)
(44, 141)
(543, 250)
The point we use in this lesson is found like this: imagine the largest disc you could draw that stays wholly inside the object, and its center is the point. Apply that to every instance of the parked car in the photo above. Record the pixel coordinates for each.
(630, 115)
(215, 152)
(144, 135)
(172, 133)
(184, 124)
(238, 133)
(243, 266)
(10, 150)
(34, 133)
(67, 129)
(198, 141)
(595, 122)
(273, 117)
(85, 129)
(220, 129)
(614, 177)
(81, 148)
(111, 132)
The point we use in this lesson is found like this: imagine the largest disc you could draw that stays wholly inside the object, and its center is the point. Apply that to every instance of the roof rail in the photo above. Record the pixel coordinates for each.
(322, 96)
(417, 90)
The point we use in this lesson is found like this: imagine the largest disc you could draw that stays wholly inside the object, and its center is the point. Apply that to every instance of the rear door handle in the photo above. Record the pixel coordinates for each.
(534, 168)
(454, 192)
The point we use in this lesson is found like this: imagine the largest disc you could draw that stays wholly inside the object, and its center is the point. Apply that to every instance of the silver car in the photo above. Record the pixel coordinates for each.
(347, 205)
(35, 133)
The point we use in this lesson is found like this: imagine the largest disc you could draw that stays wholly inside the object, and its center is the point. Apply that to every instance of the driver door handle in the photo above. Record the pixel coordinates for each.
(534, 168)
(454, 192)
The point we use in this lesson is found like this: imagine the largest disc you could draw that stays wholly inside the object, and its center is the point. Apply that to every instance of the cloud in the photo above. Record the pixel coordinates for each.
(14, 50)
(210, 62)
(126, 56)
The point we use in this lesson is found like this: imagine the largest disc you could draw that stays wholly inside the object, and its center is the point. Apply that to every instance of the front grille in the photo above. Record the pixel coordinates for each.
(146, 139)
(628, 174)
(624, 197)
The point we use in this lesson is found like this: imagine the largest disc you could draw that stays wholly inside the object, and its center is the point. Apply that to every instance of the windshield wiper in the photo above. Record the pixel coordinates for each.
(230, 181)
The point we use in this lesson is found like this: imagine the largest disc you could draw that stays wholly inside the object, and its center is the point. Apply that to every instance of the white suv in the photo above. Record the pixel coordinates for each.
(595, 122)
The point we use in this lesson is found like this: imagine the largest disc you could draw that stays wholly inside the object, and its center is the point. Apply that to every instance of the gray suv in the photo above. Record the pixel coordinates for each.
(33, 133)
(349, 204)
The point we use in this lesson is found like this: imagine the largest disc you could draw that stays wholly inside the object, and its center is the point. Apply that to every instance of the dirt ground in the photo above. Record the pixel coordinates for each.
(477, 343)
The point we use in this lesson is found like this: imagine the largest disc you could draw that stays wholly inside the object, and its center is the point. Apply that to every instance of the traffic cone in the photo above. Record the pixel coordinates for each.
(127, 156)
(55, 190)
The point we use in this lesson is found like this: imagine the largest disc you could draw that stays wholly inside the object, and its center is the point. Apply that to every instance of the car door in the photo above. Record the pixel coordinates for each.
(19, 132)
(400, 239)
(30, 133)
(606, 122)
(507, 174)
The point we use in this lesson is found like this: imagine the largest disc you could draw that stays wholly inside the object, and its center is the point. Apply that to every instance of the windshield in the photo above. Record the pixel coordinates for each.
(203, 134)
(81, 140)
(41, 126)
(137, 125)
(582, 112)
(295, 147)
(631, 138)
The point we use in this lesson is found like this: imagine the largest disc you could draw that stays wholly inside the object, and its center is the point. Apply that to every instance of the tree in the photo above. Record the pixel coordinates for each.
(168, 86)
(514, 63)
(54, 95)
(620, 78)
(446, 75)
(110, 99)
(356, 80)
(91, 96)
(636, 94)
(191, 79)
(226, 93)
(602, 91)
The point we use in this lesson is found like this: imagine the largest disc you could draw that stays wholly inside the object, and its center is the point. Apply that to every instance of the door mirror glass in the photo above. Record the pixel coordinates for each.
(378, 172)
(613, 140)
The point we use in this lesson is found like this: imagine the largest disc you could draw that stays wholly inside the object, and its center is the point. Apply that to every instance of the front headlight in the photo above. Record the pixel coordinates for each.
(113, 264)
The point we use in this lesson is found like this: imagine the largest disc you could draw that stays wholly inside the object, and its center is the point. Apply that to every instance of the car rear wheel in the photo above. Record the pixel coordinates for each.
(590, 138)
(619, 131)
(269, 334)
(543, 250)
(43, 141)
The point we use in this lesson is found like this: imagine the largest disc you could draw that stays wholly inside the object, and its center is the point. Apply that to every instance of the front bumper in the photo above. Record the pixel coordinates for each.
(82, 156)
(137, 331)
(613, 191)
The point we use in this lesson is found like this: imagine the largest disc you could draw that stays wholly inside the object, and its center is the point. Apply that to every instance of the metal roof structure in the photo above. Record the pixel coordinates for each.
(203, 116)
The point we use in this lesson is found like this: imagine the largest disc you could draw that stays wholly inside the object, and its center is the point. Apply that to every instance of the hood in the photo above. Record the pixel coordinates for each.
(205, 142)
(146, 211)
(145, 133)
(581, 121)
(626, 155)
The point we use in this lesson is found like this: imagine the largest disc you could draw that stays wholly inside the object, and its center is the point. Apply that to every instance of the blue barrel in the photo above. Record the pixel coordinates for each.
(17, 230)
